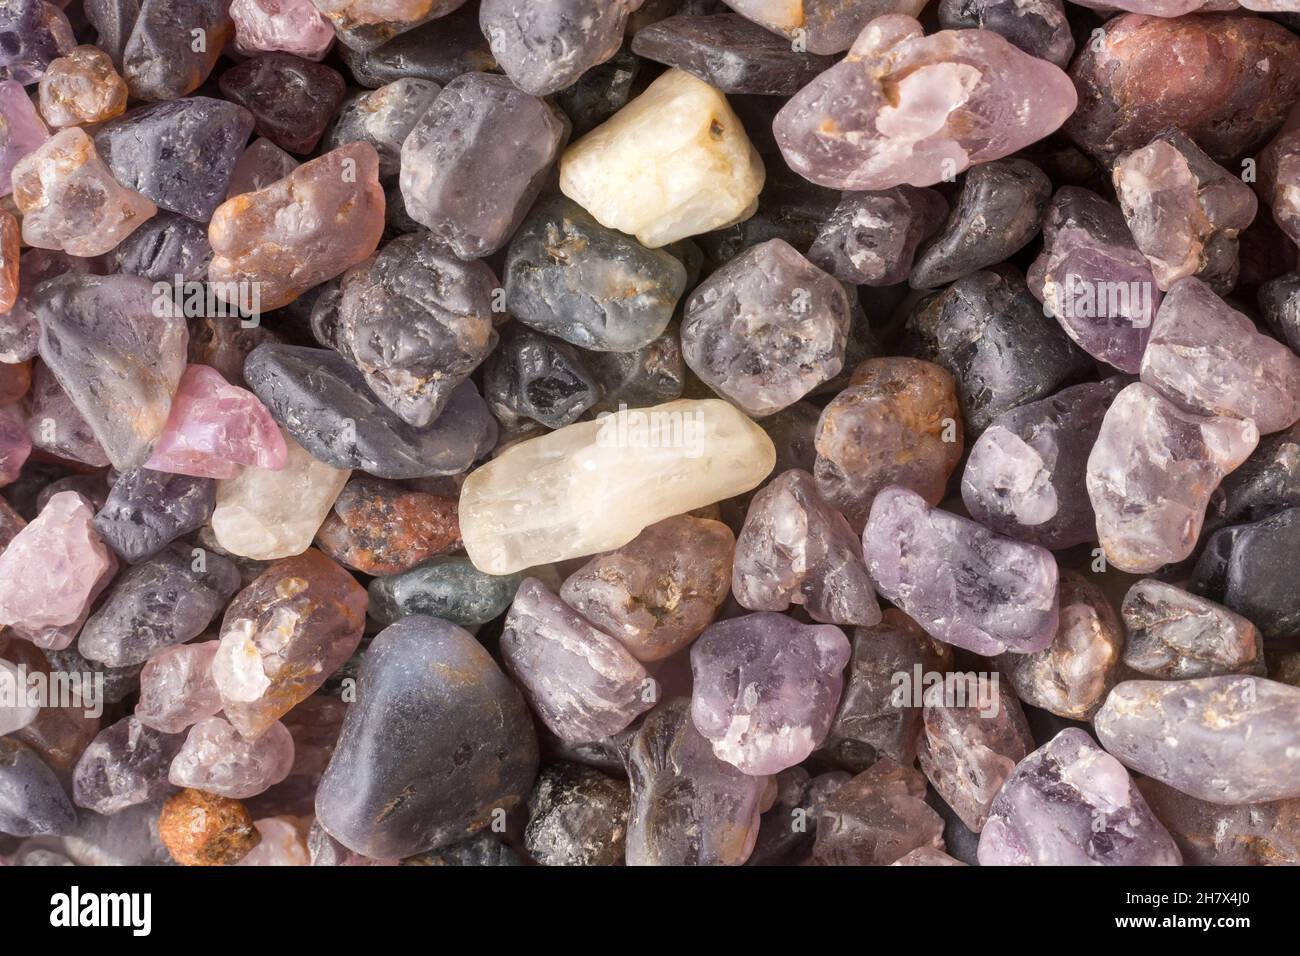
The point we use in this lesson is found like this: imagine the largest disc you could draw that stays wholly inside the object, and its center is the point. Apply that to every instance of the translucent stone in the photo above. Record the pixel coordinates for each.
(21, 130)
(1207, 357)
(1072, 676)
(366, 24)
(260, 165)
(898, 423)
(822, 26)
(146, 510)
(126, 764)
(533, 503)
(293, 100)
(1176, 635)
(688, 807)
(203, 829)
(283, 636)
(266, 515)
(766, 688)
(51, 572)
(119, 361)
(17, 711)
(1209, 834)
(70, 201)
(907, 108)
(82, 87)
(1039, 27)
(393, 788)
(15, 446)
(320, 220)
(876, 818)
(216, 759)
(380, 528)
(161, 60)
(1151, 473)
(577, 816)
(675, 162)
(283, 844)
(290, 26)
(473, 188)
(1069, 803)
(32, 801)
(871, 238)
(19, 328)
(177, 689)
(1279, 176)
(383, 118)
(1025, 474)
(546, 45)
(224, 345)
(164, 601)
(1249, 568)
(166, 246)
(449, 588)
(766, 328)
(961, 582)
(34, 34)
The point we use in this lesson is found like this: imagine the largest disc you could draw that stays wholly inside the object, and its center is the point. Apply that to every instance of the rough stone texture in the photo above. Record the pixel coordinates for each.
(202, 829)
(472, 189)
(675, 162)
(82, 87)
(1175, 635)
(366, 24)
(160, 61)
(577, 816)
(126, 764)
(393, 789)
(177, 689)
(383, 118)
(824, 26)
(112, 20)
(876, 818)
(907, 108)
(283, 635)
(34, 33)
(290, 26)
(1267, 483)
(1209, 834)
(147, 510)
(380, 528)
(1070, 803)
(532, 504)
(291, 99)
(1227, 739)
(1250, 569)
(21, 132)
(532, 376)
(1279, 175)
(32, 801)
(216, 759)
(1151, 473)
(871, 238)
(166, 246)
(546, 45)
(449, 588)
(440, 50)
(964, 584)
(1039, 27)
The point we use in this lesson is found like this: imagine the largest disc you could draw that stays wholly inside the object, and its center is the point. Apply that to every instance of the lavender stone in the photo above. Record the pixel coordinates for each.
(161, 60)
(146, 510)
(32, 801)
(125, 765)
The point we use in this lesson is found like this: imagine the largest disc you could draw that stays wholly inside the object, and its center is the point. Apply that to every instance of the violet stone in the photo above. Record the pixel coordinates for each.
(125, 765)
(1250, 569)
(161, 60)
(291, 99)
(21, 130)
(289, 26)
(32, 34)
(871, 238)
(147, 510)
(32, 801)
(383, 118)
(166, 246)
(216, 759)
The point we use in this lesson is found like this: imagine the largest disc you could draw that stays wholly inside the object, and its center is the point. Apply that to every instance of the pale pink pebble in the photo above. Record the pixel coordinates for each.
(214, 428)
(216, 759)
(52, 571)
(282, 844)
(177, 689)
(21, 130)
(290, 26)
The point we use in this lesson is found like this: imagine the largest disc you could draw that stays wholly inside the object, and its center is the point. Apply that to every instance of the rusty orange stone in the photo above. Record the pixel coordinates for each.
(381, 528)
(203, 829)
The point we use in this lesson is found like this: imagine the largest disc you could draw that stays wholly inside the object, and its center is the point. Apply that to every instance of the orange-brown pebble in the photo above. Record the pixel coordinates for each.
(10, 248)
(82, 87)
(202, 829)
(381, 528)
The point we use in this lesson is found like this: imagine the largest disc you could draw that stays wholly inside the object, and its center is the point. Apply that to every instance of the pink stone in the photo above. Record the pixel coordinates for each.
(290, 26)
(283, 842)
(15, 446)
(215, 428)
(216, 759)
(21, 130)
(177, 689)
(51, 572)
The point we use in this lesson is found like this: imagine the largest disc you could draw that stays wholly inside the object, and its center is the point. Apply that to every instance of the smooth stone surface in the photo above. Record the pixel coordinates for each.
(450, 588)
(21, 133)
(291, 99)
(383, 118)
(546, 45)
(1249, 568)
(1039, 27)
(32, 801)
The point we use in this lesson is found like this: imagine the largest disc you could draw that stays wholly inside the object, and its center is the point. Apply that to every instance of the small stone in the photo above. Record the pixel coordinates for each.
(1207, 357)
(283, 844)
(125, 765)
(1249, 569)
(876, 818)
(161, 61)
(177, 689)
(224, 345)
(1151, 473)
(688, 807)
(824, 26)
(681, 124)
(577, 816)
(544, 46)
(871, 238)
(1072, 676)
(658, 592)
(283, 636)
(266, 515)
(380, 528)
(262, 164)
(366, 24)
(898, 423)
(112, 20)
(52, 571)
(157, 604)
(118, 360)
(1227, 739)
(1093, 278)
(1279, 174)
(383, 118)
(1069, 803)
(22, 131)
(288, 26)
(32, 35)
(1025, 474)
(449, 588)
(1039, 27)
(70, 201)
(82, 87)
(440, 50)
(602, 91)
(907, 108)
(322, 400)
(969, 747)
(393, 788)
(1174, 635)
(216, 759)
(568, 276)
(323, 218)
(533, 504)
(15, 446)
(202, 829)
(961, 582)
(1209, 834)
(472, 189)
(18, 710)
(876, 718)
(766, 328)
(731, 53)
(997, 214)
(147, 510)
(32, 801)
(536, 377)
(766, 688)
(794, 548)
(55, 425)
(651, 375)
(166, 246)
(292, 100)
(119, 682)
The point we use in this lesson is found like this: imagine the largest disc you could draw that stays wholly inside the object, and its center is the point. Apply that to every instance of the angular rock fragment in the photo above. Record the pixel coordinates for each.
(291, 99)
(260, 165)
(871, 238)
(164, 58)
(80, 88)
(1039, 27)
(1249, 568)
(166, 246)
(439, 50)
(21, 132)
(146, 510)
(216, 759)
(1279, 175)
(1175, 635)
(546, 45)
(577, 816)
(876, 818)
(112, 20)
(536, 377)
(126, 764)
(34, 34)
(177, 689)
(203, 829)
(379, 528)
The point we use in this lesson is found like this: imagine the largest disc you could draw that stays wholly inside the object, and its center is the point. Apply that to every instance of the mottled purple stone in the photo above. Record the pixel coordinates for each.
(766, 328)
(32, 34)
(583, 684)
(876, 818)
(475, 162)
(1025, 474)
(871, 238)
(291, 99)
(1228, 739)
(766, 688)
(544, 46)
(1069, 803)
(964, 584)
(126, 764)
(161, 60)
(147, 510)
(1094, 279)
(1173, 634)
(21, 130)
(795, 548)
(15, 446)
(1039, 27)
(55, 425)
(166, 246)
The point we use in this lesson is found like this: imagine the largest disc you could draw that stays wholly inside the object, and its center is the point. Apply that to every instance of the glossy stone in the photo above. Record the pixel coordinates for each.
(366, 24)
(449, 588)
(1039, 27)
(380, 528)
(536, 377)
(291, 99)
(1247, 568)
(203, 829)
(1175, 635)
(32, 801)
(546, 45)
(289, 26)
(146, 510)
(82, 87)
(216, 759)
(161, 59)
(126, 764)
(383, 118)
(876, 818)
(871, 238)
(577, 816)
(177, 689)
(22, 130)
